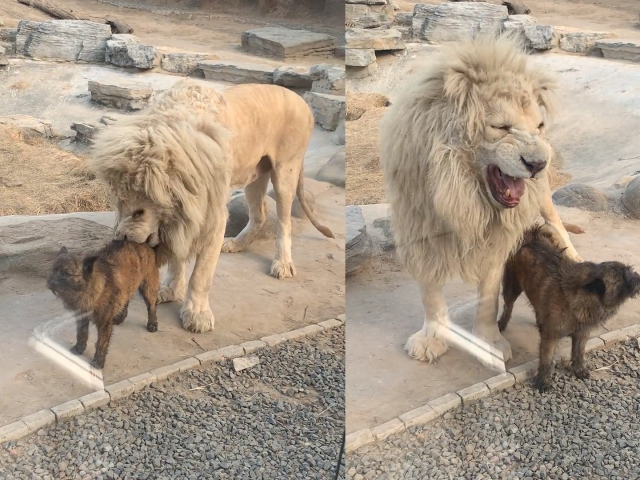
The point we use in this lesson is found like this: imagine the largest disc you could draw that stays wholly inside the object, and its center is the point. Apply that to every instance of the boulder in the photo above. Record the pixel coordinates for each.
(8, 40)
(454, 22)
(354, 11)
(359, 57)
(327, 109)
(63, 40)
(404, 18)
(283, 43)
(4, 59)
(84, 132)
(338, 136)
(296, 208)
(375, 39)
(236, 72)
(357, 73)
(539, 37)
(29, 248)
(123, 96)
(620, 49)
(293, 77)
(327, 79)
(29, 125)
(239, 217)
(358, 243)
(583, 197)
(631, 197)
(333, 171)
(185, 63)
(581, 42)
(125, 50)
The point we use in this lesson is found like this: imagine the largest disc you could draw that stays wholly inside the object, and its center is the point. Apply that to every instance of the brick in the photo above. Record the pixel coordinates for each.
(68, 410)
(500, 382)
(311, 330)
(231, 351)
(13, 431)
(473, 393)
(593, 344)
(142, 380)
(328, 324)
(388, 428)
(614, 336)
(273, 340)
(524, 372)
(187, 364)
(120, 390)
(358, 439)
(252, 346)
(165, 372)
(95, 400)
(445, 403)
(342, 318)
(38, 420)
(212, 356)
(418, 416)
(632, 331)
(294, 334)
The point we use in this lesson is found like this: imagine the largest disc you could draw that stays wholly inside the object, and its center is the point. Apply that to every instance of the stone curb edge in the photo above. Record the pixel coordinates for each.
(117, 391)
(436, 408)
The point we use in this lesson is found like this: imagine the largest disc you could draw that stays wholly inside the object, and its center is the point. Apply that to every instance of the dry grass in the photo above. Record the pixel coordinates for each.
(37, 178)
(365, 183)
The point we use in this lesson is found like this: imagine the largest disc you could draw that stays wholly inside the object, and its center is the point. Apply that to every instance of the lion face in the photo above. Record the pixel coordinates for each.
(513, 149)
(137, 222)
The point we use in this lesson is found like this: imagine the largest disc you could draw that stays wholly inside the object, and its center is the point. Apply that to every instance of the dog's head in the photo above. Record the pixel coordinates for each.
(614, 283)
(69, 273)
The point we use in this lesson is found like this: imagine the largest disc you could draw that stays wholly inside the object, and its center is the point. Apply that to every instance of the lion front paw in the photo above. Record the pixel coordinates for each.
(283, 269)
(197, 322)
(231, 246)
(425, 349)
(166, 294)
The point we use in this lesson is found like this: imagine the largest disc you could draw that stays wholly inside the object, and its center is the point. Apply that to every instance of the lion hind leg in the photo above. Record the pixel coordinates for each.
(430, 342)
(255, 194)
(284, 185)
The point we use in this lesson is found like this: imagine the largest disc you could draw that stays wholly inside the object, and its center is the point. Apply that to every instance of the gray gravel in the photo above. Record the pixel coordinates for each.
(578, 430)
(282, 419)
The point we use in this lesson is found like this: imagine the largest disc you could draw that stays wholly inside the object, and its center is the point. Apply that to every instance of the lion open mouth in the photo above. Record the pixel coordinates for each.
(505, 189)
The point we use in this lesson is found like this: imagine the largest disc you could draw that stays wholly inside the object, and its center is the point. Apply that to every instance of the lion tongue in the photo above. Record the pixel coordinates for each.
(515, 186)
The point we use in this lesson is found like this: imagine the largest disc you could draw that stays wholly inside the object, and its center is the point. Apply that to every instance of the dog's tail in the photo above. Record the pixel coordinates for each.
(303, 203)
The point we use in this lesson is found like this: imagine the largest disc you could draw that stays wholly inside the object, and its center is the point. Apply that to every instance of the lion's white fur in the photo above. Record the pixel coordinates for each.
(434, 153)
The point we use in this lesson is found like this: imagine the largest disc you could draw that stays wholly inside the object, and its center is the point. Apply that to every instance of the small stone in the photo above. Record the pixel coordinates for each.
(123, 95)
(125, 50)
(185, 63)
(328, 110)
(293, 77)
(327, 79)
(359, 57)
(581, 42)
(539, 37)
(242, 363)
(84, 131)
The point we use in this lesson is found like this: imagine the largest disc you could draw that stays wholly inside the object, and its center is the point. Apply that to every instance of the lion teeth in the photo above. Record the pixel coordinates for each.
(507, 193)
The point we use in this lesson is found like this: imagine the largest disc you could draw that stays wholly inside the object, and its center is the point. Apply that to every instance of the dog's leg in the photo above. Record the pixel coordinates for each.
(149, 295)
(285, 183)
(196, 314)
(122, 315)
(174, 285)
(82, 333)
(578, 345)
(548, 343)
(104, 322)
(511, 290)
(550, 215)
(255, 194)
(431, 341)
(485, 326)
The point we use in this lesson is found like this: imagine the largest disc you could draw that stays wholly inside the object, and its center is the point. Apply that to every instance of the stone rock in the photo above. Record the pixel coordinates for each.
(8, 40)
(293, 77)
(368, 2)
(623, 181)
(283, 43)
(631, 197)
(185, 63)
(296, 208)
(327, 109)
(453, 22)
(375, 39)
(583, 197)
(242, 363)
(358, 243)
(236, 72)
(239, 217)
(358, 73)
(123, 96)
(581, 42)
(63, 40)
(517, 8)
(406, 32)
(338, 136)
(333, 171)
(519, 21)
(124, 50)
(369, 20)
(327, 79)
(539, 37)
(384, 224)
(29, 125)
(620, 49)
(84, 131)
(29, 248)
(339, 51)
(404, 18)
(359, 57)
(4, 59)
(353, 12)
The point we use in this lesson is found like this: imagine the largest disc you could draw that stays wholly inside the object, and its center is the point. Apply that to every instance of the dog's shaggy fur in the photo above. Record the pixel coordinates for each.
(464, 157)
(170, 170)
(569, 298)
(98, 288)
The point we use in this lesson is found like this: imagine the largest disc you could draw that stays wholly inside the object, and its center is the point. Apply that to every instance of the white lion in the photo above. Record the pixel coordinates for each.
(465, 159)
(170, 170)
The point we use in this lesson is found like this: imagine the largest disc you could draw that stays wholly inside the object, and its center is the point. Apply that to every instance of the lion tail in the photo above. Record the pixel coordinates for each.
(303, 202)
(570, 227)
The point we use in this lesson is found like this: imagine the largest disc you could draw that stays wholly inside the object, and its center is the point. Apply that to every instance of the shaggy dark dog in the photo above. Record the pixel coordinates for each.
(569, 298)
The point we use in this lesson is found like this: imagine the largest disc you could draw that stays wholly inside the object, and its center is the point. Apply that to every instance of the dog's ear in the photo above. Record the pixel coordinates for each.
(87, 266)
(596, 285)
(63, 251)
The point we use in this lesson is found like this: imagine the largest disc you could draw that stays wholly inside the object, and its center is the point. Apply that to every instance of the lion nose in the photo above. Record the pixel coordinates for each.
(534, 166)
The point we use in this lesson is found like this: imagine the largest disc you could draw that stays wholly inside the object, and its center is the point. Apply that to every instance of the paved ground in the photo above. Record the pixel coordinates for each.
(282, 419)
(578, 430)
